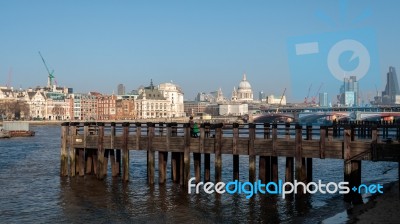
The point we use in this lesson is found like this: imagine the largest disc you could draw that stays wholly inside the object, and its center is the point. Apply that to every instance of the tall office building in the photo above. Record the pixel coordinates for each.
(261, 95)
(121, 89)
(349, 92)
(323, 99)
(392, 88)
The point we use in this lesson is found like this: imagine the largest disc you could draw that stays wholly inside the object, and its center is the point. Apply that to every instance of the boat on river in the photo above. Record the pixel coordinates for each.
(4, 133)
(18, 128)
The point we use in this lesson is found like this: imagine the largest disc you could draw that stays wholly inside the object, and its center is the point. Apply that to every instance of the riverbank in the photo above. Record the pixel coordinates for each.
(379, 209)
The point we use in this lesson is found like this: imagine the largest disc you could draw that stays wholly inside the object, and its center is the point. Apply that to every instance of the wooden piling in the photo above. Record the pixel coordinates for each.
(251, 153)
(207, 165)
(309, 164)
(322, 142)
(72, 151)
(114, 169)
(266, 159)
(289, 174)
(125, 151)
(186, 156)
(163, 156)
(64, 149)
(89, 161)
(300, 174)
(150, 153)
(347, 162)
(197, 166)
(101, 165)
(175, 156)
(235, 156)
(274, 158)
(217, 149)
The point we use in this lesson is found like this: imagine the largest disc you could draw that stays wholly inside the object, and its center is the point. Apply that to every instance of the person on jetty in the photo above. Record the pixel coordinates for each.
(194, 128)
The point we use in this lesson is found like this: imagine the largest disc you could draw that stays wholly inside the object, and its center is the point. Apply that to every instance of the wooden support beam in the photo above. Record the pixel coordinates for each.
(89, 161)
(101, 166)
(235, 139)
(72, 150)
(289, 171)
(64, 149)
(163, 156)
(150, 153)
(265, 172)
(175, 156)
(309, 165)
(125, 151)
(81, 156)
(197, 166)
(186, 156)
(346, 161)
(322, 142)
(274, 158)
(217, 149)
(300, 175)
(114, 168)
(251, 152)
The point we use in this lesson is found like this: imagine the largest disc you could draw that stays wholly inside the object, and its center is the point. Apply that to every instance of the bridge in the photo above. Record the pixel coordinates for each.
(328, 115)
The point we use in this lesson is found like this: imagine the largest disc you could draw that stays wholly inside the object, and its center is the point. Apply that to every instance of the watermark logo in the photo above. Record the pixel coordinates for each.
(280, 188)
(325, 59)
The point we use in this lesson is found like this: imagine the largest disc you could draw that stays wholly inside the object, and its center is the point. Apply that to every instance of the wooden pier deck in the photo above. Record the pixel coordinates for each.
(86, 148)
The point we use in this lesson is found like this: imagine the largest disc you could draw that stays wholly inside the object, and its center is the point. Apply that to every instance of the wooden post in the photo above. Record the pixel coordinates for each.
(89, 161)
(207, 165)
(274, 158)
(289, 175)
(265, 161)
(356, 181)
(175, 156)
(125, 151)
(64, 149)
(81, 152)
(235, 152)
(81, 156)
(197, 156)
(101, 166)
(251, 152)
(150, 153)
(197, 166)
(309, 160)
(72, 151)
(300, 175)
(186, 156)
(163, 156)
(114, 169)
(322, 133)
(217, 149)
(374, 136)
(347, 162)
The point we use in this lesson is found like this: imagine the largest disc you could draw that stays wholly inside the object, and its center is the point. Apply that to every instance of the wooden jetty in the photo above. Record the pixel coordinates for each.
(87, 148)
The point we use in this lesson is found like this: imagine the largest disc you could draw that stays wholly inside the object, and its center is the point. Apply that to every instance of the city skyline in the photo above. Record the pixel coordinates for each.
(201, 47)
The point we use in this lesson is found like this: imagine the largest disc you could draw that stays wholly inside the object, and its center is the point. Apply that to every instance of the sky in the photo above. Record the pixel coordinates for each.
(200, 45)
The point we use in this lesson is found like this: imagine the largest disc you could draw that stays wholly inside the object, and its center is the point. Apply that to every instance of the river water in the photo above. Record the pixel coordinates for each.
(31, 191)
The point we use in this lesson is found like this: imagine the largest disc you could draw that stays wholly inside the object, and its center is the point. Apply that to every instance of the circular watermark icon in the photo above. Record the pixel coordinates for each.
(359, 51)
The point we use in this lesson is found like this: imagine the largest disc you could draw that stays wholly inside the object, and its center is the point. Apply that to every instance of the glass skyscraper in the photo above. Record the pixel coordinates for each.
(392, 87)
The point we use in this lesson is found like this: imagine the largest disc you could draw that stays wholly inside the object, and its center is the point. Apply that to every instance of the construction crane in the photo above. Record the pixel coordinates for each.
(313, 101)
(308, 94)
(51, 76)
(8, 84)
(280, 102)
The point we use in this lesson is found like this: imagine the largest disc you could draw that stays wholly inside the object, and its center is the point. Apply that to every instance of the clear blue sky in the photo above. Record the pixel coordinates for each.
(200, 45)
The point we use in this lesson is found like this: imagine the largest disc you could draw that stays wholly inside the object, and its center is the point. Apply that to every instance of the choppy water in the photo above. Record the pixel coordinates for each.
(31, 191)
